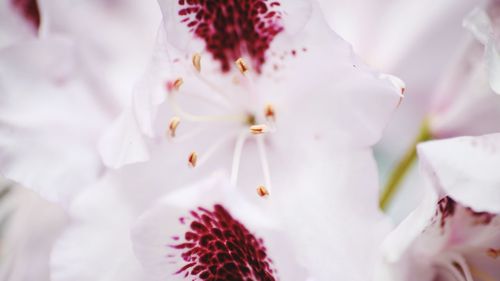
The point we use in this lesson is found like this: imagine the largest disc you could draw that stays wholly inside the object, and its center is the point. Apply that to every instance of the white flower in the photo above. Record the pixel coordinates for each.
(263, 100)
(455, 233)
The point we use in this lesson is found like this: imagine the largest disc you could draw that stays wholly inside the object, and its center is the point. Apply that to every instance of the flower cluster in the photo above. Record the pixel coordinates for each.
(237, 140)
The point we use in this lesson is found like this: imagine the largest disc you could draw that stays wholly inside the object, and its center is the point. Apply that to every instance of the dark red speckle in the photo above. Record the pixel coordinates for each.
(28, 10)
(483, 218)
(218, 247)
(233, 28)
(446, 207)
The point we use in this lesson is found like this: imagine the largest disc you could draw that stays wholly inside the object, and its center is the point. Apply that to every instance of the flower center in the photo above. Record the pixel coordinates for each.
(248, 123)
(233, 28)
(218, 247)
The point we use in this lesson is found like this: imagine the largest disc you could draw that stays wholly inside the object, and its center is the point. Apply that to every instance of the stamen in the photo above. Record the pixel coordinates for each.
(178, 83)
(258, 129)
(172, 126)
(242, 65)
(197, 61)
(262, 191)
(192, 159)
(493, 253)
(238, 148)
(264, 164)
(269, 112)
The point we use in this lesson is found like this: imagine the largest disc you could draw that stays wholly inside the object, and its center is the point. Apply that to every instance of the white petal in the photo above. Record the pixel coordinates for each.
(466, 169)
(169, 218)
(493, 64)
(49, 120)
(123, 142)
(327, 208)
(96, 245)
(30, 227)
(479, 23)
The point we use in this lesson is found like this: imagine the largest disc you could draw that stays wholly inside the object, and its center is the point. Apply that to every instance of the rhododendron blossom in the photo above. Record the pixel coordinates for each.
(455, 233)
(232, 140)
(244, 90)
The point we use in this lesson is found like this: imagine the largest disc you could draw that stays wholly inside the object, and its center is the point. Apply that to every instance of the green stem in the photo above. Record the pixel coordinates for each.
(404, 165)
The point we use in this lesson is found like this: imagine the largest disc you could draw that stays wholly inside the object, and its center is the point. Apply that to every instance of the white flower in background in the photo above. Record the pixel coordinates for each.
(484, 23)
(29, 227)
(455, 233)
(96, 243)
(62, 82)
(447, 91)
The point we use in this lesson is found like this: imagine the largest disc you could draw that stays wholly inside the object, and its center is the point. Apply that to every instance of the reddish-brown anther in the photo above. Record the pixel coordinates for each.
(28, 10)
(221, 248)
(233, 28)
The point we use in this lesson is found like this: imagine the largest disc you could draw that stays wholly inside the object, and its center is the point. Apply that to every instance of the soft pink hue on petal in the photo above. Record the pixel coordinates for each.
(466, 169)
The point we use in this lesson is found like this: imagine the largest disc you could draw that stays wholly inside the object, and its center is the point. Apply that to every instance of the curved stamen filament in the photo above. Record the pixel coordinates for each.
(457, 266)
(238, 148)
(213, 148)
(264, 163)
(221, 93)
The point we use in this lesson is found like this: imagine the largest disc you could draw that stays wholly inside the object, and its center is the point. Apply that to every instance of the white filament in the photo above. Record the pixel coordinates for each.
(203, 118)
(264, 163)
(448, 262)
(213, 148)
(238, 149)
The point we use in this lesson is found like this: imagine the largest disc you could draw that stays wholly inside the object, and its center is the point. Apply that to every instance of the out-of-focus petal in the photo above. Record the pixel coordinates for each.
(48, 118)
(485, 27)
(30, 227)
(96, 244)
(326, 208)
